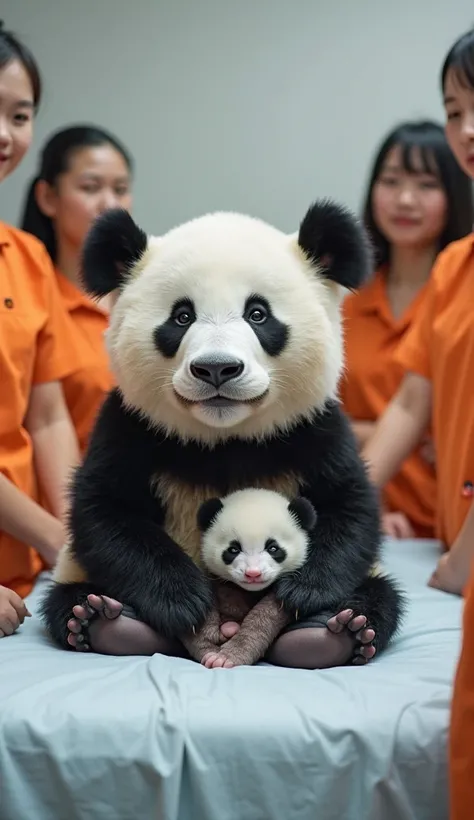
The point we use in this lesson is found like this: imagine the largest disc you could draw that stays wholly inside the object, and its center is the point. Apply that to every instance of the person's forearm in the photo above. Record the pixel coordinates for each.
(399, 430)
(56, 454)
(363, 431)
(26, 521)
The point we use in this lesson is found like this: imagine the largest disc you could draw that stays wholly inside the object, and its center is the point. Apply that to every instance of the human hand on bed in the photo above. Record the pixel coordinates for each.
(396, 525)
(13, 611)
(449, 575)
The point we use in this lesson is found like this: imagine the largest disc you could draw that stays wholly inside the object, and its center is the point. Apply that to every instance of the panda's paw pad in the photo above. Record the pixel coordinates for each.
(85, 613)
(363, 634)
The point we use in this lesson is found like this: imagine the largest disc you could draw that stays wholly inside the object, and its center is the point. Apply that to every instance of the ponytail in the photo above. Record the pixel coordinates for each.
(36, 222)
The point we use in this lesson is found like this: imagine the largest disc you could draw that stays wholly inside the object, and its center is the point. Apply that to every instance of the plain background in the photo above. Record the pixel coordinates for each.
(252, 105)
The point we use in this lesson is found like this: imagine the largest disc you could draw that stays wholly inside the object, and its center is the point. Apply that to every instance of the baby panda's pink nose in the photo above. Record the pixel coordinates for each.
(253, 574)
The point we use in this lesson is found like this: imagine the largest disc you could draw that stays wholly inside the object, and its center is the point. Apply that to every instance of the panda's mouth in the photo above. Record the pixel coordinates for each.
(218, 401)
(221, 401)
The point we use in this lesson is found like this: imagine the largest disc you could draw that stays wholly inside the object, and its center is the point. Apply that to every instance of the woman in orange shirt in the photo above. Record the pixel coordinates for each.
(37, 351)
(438, 355)
(418, 201)
(83, 171)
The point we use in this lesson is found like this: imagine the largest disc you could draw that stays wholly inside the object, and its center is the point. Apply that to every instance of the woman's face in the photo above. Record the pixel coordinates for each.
(409, 209)
(97, 179)
(16, 116)
(459, 105)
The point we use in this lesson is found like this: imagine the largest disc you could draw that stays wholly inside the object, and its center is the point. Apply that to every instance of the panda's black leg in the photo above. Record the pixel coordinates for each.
(373, 614)
(351, 634)
(80, 619)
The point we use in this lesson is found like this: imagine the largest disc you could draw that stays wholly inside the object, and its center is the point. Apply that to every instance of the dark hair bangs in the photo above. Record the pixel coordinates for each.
(460, 60)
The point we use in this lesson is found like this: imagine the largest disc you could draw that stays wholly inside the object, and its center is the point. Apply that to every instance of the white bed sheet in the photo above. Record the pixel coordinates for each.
(91, 737)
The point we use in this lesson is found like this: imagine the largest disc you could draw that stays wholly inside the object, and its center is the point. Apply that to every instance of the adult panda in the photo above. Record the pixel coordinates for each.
(226, 342)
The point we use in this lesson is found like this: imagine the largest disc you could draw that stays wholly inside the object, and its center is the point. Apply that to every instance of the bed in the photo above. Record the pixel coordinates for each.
(90, 737)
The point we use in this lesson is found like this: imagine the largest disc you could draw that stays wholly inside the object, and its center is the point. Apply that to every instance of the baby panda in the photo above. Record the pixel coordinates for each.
(250, 538)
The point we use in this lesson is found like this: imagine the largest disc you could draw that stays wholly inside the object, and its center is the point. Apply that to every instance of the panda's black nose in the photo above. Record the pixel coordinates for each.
(216, 373)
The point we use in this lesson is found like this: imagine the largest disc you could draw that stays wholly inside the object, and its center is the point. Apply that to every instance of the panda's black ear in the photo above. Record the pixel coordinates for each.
(207, 513)
(113, 244)
(303, 511)
(337, 243)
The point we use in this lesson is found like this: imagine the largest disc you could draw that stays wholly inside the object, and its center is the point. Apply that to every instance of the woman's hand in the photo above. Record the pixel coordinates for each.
(449, 575)
(396, 525)
(12, 611)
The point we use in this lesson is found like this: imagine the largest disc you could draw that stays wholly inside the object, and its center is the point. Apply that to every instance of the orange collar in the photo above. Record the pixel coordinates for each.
(5, 237)
(373, 299)
(372, 296)
(75, 298)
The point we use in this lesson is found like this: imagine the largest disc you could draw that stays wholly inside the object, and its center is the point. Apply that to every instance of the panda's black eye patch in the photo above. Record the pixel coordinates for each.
(232, 550)
(273, 548)
(272, 334)
(168, 336)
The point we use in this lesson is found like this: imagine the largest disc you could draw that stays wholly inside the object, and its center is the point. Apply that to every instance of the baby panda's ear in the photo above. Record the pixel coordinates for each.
(337, 244)
(208, 512)
(303, 511)
(113, 245)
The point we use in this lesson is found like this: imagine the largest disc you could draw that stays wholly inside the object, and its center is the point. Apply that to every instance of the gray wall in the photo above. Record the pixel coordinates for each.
(253, 105)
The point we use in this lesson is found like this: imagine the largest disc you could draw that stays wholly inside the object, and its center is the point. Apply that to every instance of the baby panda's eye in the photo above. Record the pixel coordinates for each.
(234, 548)
(183, 315)
(230, 552)
(271, 546)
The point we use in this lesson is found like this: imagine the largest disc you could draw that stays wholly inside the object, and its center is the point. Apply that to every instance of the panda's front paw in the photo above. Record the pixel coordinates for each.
(298, 595)
(185, 601)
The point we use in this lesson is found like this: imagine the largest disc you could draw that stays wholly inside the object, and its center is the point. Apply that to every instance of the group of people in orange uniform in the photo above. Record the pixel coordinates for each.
(408, 385)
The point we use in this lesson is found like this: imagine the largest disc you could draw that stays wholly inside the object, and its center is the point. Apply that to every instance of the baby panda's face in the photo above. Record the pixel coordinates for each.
(225, 325)
(251, 537)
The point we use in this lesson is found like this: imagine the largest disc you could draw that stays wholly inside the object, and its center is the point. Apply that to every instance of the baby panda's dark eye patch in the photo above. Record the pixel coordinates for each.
(272, 334)
(232, 550)
(168, 336)
(273, 548)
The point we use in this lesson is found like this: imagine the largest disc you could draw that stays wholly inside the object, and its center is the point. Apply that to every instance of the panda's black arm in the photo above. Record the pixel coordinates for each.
(117, 532)
(344, 544)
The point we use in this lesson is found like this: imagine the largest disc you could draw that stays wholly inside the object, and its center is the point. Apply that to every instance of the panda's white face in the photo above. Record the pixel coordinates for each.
(253, 540)
(224, 328)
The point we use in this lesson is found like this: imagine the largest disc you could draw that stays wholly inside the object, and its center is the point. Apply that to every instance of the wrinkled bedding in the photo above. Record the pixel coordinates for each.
(90, 737)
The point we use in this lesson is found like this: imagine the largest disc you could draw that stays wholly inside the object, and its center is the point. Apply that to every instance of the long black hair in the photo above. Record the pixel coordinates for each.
(460, 58)
(54, 161)
(11, 48)
(425, 139)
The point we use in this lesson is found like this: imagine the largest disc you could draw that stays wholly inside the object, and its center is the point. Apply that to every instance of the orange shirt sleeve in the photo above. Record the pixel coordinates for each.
(57, 350)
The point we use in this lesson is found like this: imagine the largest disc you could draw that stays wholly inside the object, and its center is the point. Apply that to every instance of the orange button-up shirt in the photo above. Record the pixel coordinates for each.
(37, 345)
(372, 377)
(440, 347)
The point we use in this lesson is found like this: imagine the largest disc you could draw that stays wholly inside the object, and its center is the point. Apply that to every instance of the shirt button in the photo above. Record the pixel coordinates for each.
(8, 303)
